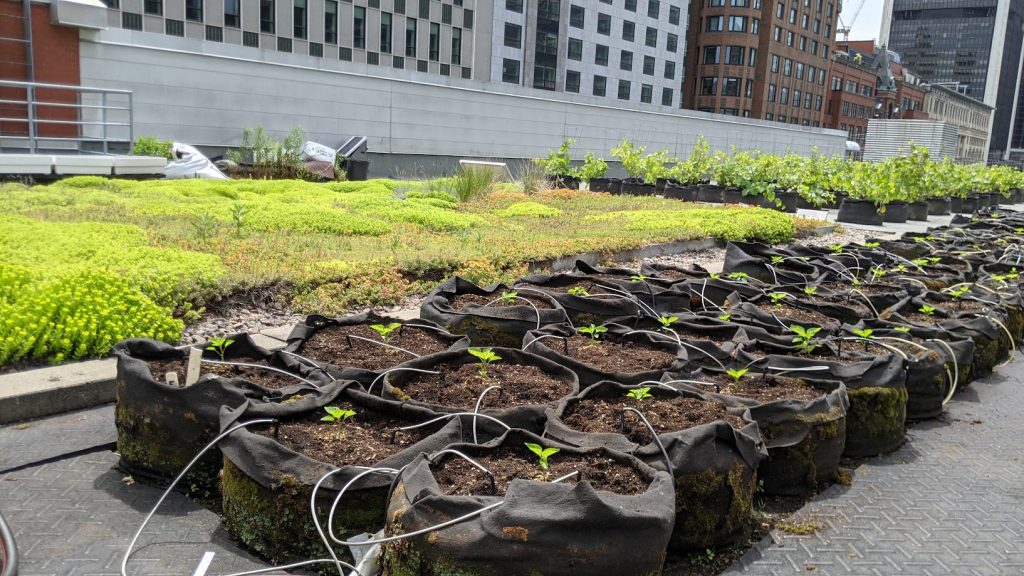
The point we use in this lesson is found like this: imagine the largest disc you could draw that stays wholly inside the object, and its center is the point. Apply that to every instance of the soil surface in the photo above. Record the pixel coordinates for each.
(331, 344)
(611, 356)
(362, 440)
(804, 317)
(965, 305)
(764, 388)
(455, 476)
(266, 378)
(841, 288)
(460, 386)
(460, 301)
(591, 288)
(666, 414)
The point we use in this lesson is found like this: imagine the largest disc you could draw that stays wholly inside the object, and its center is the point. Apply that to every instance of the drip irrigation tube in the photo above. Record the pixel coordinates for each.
(654, 434)
(260, 367)
(532, 305)
(349, 338)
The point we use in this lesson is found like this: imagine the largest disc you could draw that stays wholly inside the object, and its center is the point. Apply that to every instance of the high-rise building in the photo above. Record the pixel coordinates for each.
(766, 59)
(973, 46)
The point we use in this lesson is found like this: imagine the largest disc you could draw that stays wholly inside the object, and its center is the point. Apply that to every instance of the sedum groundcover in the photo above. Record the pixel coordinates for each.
(88, 261)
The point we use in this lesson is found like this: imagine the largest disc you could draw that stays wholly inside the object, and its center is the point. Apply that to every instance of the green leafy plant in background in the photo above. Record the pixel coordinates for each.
(152, 146)
(927, 310)
(220, 345)
(725, 317)
(385, 330)
(638, 278)
(205, 225)
(239, 211)
(471, 182)
(543, 454)
(593, 167)
(865, 333)
(804, 338)
(811, 290)
(557, 161)
(485, 357)
(594, 331)
(667, 321)
(777, 297)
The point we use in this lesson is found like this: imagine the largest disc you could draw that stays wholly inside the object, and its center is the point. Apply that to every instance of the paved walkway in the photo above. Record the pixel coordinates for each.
(951, 501)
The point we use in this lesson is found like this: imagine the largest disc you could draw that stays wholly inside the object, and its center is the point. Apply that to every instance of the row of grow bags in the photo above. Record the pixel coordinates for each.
(668, 396)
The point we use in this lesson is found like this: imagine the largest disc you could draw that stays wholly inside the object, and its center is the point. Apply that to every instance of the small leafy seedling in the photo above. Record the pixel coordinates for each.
(578, 291)
(871, 245)
(777, 297)
(667, 321)
(638, 278)
(865, 333)
(737, 374)
(239, 212)
(927, 310)
(960, 292)
(542, 454)
(385, 331)
(639, 394)
(593, 331)
(725, 317)
(877, 273)
(811, 290)
(485, 356)
(904, 329)
(509, 297)
(738, 276)
(836, 248)
(804, 337)
(778, 259)
(220, 345)
(337, 415)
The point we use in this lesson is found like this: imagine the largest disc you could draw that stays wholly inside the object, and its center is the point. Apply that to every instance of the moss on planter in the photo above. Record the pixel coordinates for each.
(713, 508)
(875, 420)
(275, 523)
(802, 468)
(986, 354)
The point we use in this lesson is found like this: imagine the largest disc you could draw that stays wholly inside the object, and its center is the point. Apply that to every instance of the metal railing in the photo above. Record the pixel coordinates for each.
(31, 117)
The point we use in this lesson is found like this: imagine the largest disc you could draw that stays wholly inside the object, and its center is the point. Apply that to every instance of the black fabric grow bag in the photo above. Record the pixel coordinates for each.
(486, 326)
(938, 206)
(606, 301)
(859, 212)
(336, 367)
(267, 486)
(917, 211)
(549, 342)
(526, 416)
(541, 528)
(713, 466)
(753, 259)
(805, 439)
(655, 292)
(160, 427)
(896, 212)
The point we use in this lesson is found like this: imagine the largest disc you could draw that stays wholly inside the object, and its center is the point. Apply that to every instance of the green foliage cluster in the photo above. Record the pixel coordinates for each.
(558, 163)
(735, 224)
(152, 146)
(528, 210)
(74, 315)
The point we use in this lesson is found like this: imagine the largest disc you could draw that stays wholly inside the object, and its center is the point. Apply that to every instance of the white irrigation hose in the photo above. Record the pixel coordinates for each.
(866, 299)
(541, 337)
(453, 414)
(379, 343)
(532, 305)
(259, 367)
(956, 369)
(330, 516)
(923, 285)
(312, 363)
(369, 389)
(167, 491)
(1013, 346)
(654, 435)
(681, 343)
(867, 341)
(476, 408)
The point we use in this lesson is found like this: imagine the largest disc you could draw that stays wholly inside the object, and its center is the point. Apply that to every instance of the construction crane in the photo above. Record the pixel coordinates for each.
(845, 28)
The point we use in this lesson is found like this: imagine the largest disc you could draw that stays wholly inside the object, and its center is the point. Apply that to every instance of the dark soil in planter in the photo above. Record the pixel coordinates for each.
(462, 385)
(330, 344)
(461, 300)
(591, 288)
(763, 387)
(455, 476)
(363, 439)
(665, 415)
(610, 356)
(266, 378)
(802, 316)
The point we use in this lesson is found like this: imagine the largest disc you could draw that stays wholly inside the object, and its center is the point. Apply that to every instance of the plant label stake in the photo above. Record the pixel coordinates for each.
(172, 379)
(195, 357)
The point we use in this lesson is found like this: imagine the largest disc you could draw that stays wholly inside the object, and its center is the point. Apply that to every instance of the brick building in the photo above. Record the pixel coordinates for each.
(764, 59)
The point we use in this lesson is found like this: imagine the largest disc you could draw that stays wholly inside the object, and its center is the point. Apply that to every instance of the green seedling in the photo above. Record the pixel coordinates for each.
(485, 356)
(836, 248)
(865, 333)
(904, 329)
(638, 278)
(811, 290)
(337, 415)
(509, 297)
(877, 273)
(578, 291)
(804, 338)
(667, 321)
(927, 310)
(855, 281)
(220, 345)
(872, 244)
(901, 268)
(725, 317)
(238, 213)
(542, 454)
(737, 374)
(205, 224)
(385, 331)
(959, 292)
(920, 262)
(777, 297)
(714, 276)
(934, 260)
(639, 394)
(738, 276)
(778, 259)
(593, 331)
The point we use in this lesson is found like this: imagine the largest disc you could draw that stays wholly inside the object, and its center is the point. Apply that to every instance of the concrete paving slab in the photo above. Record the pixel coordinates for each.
(34, 393)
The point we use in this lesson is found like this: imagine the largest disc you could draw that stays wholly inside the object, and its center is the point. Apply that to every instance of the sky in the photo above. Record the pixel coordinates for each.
(868, 22)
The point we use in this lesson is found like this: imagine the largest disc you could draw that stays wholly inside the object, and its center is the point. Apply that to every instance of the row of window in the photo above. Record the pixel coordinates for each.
(805, 19)
(798, 69)
(604, 27)
(577, 14)
(732, 23)
(791, 119)
(730, 86)
(855, 110)
(626, 58)
(852, 86)
(755, 4)
(801, 43)
(300, 16)
(734, 55)
(805, 99)
(511, 73)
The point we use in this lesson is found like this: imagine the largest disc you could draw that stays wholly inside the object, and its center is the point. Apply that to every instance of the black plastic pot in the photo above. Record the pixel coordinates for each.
(679, 192)
(710, 193)
(859, 212)
(938, 206)
(732, 195)
(790, 200)
(956, 205)
(896, 212)
(917, 211)
(567, 182)
(605, 185)
(969, 205)
(637, 188)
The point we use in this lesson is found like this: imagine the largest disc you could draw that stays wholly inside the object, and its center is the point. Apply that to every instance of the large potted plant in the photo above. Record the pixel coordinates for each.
(644, 169)
(912, 176)
(592, 171)
(686, 178)
(557, 166)
(869, 190)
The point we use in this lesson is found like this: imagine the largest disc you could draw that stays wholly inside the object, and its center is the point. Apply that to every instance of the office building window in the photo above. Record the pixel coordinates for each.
(575, 51)
(712, 54)
(748, 88)
(510, 5)
(330, 22)
(385, 32)
(653, 9)
(771, 92)
(194, 10)
(411, 25)
(752, 60)
(601, 55)
(623, 89)
(666, 96)
(155, 7)
(456, 45)
(631, 5)
(731, 86)
(268, 16)
(628, 30)
(651, 37)
(467, 19)
(670, 70)
(626, 61)
(299, 19)
(709, 85)
(649, 65)
(755, 26)
(646, 93)
(572, 81)
(775, 62)
(600, 85)
(513, 35)
(232, 14)
(737, 23)
(577, 16)
(510, 71)
(715, 23)
(673, 15)
(671, 42)
(784, 96)
(734, 55)
(359, 27)
(604, 24)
